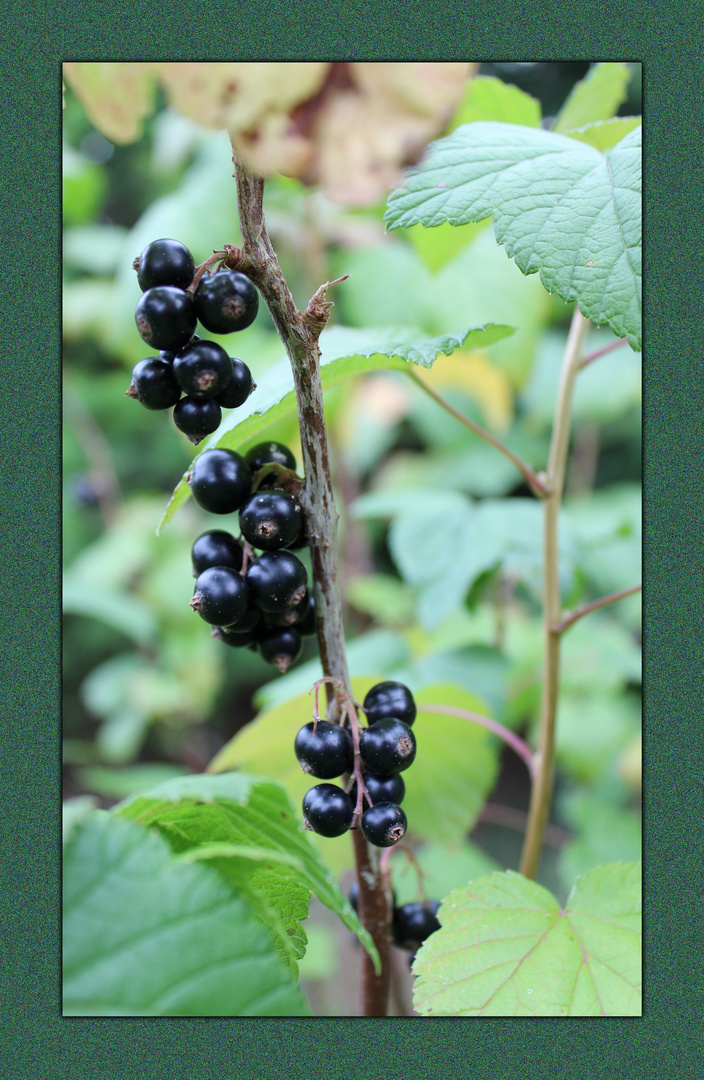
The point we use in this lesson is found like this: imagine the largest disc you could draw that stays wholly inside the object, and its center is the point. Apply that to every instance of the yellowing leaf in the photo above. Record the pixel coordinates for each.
(117, 97)
(478, 377)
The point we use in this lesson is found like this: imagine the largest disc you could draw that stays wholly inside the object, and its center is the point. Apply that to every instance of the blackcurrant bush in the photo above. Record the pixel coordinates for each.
(221, 596)
(202, 369)
(165, 262)
(390, 699)
(277, 581)
(216, 548)
(381, 789)
(271, 519)
(226, 301)
(383, 824)
(325, 750)
(280, 646)
(239, 387)
(266, 452)
(153, 384)
(196, 419)
(327, 810)
(388, 747)
(412, 924)
(220, 480)
(165, 317)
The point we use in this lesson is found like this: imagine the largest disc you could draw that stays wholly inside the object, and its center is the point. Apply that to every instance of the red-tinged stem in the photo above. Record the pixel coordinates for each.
(504, 733)
(571, 617)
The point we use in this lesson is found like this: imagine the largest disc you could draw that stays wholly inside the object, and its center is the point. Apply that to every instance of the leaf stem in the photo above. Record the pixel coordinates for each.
(571, 617)
(541, 791)
(509, 737)
(536, 484)
(602, 352)
(299, 333)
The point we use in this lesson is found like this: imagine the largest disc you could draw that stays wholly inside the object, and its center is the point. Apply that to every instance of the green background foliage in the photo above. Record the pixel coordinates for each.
(430, 515)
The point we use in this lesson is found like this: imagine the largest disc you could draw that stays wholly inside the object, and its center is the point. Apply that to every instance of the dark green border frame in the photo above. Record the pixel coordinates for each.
(37, 1041)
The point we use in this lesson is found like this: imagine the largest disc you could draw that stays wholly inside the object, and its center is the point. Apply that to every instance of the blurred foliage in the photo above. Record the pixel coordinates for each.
(439, 539)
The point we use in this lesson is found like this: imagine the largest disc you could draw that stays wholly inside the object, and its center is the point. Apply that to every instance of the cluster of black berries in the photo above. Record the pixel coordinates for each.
(411, 924)
(166, 318)
(387, 747)
(262, 602)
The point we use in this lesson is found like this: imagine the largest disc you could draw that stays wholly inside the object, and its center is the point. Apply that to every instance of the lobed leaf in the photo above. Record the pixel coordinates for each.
(505, 948)
(595, 97)
(560, 207)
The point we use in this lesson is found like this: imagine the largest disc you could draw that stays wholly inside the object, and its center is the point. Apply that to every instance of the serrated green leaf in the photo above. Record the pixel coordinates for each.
(245, 810)
(560, 208)
(595, 97)
(345, 352)
(605, 133)
(144, 935)
(506, 949)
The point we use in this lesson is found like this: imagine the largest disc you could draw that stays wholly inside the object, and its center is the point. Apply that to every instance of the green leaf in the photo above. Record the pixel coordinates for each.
(383, 597)
(487, 98)
(605, 133)
(560, 207)
(144, 935)
(247, 811)
(506, 949)
(345, 353)
(458, 767)
(595, 97)
(604, 833)
(120, 610)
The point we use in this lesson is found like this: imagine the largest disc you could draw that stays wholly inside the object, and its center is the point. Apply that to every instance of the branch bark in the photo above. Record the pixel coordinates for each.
(299, 333)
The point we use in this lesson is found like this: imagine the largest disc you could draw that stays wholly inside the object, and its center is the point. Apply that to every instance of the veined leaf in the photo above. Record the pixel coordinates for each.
(506, 949)
(604, 134)
(144, 935)
(344, 352)
(560, 208)
(241, 810)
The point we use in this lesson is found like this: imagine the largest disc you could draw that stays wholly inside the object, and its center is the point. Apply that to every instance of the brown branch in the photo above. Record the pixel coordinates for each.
(299, 333)
(569, 619)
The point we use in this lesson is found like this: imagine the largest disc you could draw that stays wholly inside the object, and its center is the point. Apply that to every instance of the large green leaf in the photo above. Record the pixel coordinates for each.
(596, 97)
(487, 98)
(505, 948)
(560, 207)
(146, 935)
(243, 811)
(345, 352)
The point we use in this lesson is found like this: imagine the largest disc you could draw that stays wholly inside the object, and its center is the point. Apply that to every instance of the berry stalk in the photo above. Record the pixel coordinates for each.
(299, 333)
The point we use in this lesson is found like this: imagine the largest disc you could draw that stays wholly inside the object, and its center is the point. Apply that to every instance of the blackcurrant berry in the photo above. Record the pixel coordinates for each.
(216, 548)
(325, 750)
(306, 626)
(165, 317)
(271, 519)
(196, 419)
(220, 480)
(266, 452)
(226, 301)
(381, 789)
(277, 581)
(294, 616)
(384, 824)
(412, 924)
(327, 810)
(390, 699)
(280, 646)
(153, 384)
(165, 262)
(239, 387)
(202, 369)
(221, 596)
(237, 639)
(388, 747)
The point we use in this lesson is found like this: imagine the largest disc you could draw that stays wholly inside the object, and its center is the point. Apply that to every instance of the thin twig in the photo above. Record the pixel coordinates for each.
(536, 484)
(602, 352)
(571, 617)
(541, 790)
(509, 737)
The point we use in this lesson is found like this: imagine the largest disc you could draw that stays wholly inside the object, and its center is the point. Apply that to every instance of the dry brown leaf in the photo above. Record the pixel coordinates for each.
(117, 97)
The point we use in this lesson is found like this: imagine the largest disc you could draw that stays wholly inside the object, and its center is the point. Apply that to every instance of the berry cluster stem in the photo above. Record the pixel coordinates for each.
(299, 333)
